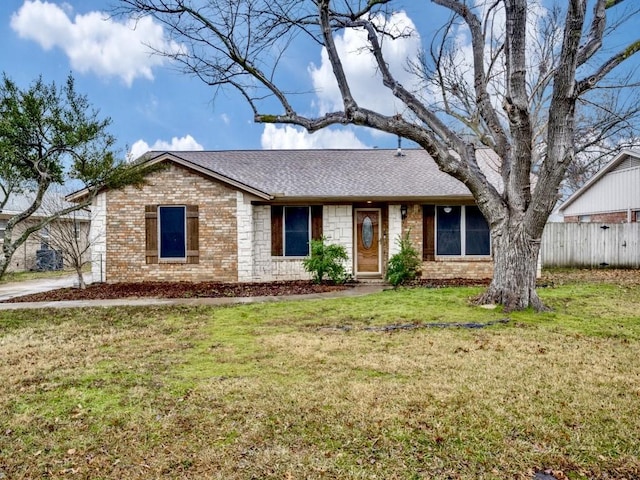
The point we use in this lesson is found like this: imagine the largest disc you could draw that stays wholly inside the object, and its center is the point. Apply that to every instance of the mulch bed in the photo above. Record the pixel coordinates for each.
(103, 291)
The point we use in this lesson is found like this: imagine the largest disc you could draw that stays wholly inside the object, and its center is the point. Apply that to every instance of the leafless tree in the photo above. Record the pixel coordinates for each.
(69, 235)
(517, 98)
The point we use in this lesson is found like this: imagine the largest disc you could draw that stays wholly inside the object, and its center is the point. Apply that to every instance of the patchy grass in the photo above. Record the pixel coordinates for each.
(9, 277)
(285, 391)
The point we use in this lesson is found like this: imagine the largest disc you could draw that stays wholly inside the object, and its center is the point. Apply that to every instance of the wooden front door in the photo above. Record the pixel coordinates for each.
(367, 241)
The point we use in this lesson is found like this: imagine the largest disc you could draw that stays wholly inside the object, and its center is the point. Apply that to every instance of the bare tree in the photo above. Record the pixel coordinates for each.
(68, 235)
(515, 98)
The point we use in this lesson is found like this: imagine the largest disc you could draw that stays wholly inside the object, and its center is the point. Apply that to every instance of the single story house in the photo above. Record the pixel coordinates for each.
(611, 196)
(249, 216)
(41, 250)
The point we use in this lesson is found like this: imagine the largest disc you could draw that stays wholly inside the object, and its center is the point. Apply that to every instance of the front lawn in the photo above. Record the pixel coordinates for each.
(316, 390)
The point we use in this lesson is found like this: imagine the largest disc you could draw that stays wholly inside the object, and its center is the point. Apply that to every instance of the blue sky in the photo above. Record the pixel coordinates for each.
(153, 106)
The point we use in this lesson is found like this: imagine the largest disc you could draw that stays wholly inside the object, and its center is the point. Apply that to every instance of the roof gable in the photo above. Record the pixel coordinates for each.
(624, 160)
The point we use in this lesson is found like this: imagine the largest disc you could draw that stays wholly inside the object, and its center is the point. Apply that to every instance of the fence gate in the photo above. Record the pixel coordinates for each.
(591, 245)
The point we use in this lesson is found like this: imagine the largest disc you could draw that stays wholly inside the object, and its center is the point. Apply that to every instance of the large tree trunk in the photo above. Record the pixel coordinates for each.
(515, 256)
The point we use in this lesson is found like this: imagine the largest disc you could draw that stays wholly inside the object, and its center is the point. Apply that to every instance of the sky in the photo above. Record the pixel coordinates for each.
(153, 106)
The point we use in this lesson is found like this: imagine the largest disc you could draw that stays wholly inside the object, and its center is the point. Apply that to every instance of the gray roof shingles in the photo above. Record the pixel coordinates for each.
(373, 173)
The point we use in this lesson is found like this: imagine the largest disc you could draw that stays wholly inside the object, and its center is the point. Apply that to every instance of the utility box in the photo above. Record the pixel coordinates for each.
(48, 259)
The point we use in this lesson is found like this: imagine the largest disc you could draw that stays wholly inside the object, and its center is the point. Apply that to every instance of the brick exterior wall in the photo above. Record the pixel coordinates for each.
(125, 228)
(413, 222)
(446, 269)
(609, 217)
(235, 236)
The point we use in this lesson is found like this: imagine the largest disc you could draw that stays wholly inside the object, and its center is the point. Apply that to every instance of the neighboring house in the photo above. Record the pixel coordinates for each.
(611, 196)
(249, 216)
(37, 252)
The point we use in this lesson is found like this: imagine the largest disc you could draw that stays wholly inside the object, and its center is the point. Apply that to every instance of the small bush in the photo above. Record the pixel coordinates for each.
(404, 265)
(326, 260)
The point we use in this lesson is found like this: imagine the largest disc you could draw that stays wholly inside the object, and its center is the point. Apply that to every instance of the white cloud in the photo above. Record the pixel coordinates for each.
(291, 138)
(94, 42)
(360, 68)
(183, 143)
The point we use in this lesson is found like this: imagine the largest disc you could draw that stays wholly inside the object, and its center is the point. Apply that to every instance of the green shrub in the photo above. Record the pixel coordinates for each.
(404, 265)
(326, 260)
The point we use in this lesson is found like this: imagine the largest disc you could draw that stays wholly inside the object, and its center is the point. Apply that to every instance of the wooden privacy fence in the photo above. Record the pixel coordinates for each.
(591, 245)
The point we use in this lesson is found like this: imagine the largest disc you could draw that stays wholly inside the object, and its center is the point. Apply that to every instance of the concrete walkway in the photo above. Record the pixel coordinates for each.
(13, 290)
(27, 287)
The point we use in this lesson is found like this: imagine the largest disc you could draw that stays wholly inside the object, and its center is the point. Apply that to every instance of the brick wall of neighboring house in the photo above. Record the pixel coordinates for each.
(125, 228)
(609, 217)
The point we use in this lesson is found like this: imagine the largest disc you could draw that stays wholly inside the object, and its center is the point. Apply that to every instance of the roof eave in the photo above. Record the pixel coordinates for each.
(606, 169)
(167, 156)
(209, 173)
(439, 199)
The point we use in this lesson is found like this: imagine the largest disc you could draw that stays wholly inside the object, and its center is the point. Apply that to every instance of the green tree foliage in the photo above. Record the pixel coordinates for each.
(404, 265)
(326, 260)
(51, 135)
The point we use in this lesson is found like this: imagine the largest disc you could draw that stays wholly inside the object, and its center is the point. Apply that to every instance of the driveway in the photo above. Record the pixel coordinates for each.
(26, 287)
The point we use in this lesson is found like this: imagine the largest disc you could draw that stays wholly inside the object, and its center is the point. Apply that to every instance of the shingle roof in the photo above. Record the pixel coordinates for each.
(326, 174)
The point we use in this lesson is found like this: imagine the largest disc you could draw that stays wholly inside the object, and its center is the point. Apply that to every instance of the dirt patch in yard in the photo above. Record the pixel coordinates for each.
(616, 276)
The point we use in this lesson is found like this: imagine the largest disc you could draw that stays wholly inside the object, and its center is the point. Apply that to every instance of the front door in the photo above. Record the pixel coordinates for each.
(367, 241)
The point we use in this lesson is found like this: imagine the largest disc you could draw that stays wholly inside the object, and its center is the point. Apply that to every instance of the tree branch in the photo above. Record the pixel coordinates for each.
(592, 80)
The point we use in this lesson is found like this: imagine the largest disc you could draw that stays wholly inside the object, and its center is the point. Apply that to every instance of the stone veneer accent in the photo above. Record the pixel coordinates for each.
(218, 231)
(265, 267)
(99, 238)
(337, 227)
(245, 222)
(395, 230)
